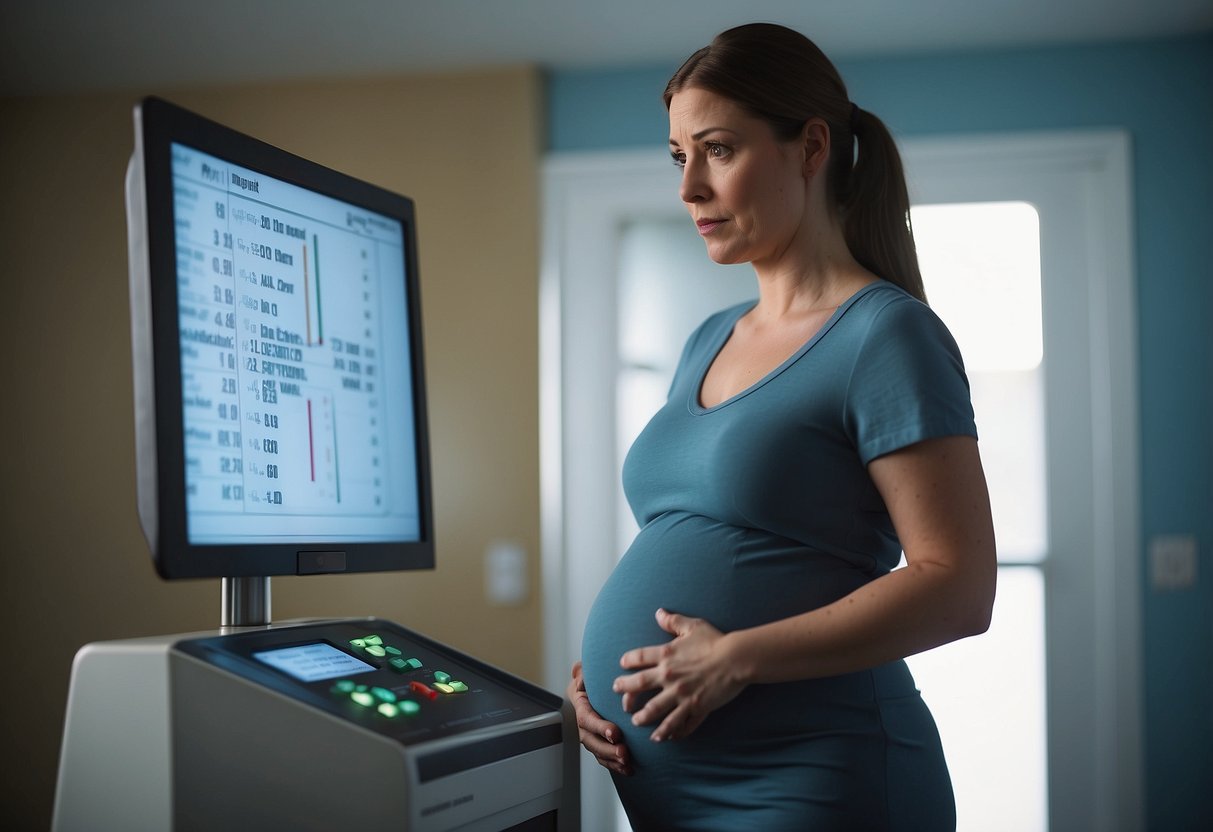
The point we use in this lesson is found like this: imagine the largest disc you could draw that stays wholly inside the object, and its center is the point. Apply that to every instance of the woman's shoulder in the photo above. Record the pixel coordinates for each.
(706, 338)
(718, 324)
(728, 316)
(875, 298)
(884, 309)
(890, 328)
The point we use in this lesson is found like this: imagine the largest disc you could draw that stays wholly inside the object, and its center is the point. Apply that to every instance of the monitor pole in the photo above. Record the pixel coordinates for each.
(246, 602)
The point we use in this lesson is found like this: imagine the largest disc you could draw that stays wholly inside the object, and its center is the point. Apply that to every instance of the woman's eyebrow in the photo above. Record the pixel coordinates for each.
(702, 133)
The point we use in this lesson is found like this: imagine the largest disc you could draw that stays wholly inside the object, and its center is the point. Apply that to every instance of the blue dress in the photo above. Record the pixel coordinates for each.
(759, 509)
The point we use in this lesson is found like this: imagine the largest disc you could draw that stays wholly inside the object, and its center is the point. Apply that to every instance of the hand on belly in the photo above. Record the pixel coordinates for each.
(687, 678)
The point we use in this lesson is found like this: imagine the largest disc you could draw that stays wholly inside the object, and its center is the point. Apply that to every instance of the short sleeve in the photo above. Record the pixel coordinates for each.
(908, 382)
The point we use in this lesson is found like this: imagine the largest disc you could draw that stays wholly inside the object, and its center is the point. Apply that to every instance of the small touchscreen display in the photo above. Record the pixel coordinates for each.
(313, 662)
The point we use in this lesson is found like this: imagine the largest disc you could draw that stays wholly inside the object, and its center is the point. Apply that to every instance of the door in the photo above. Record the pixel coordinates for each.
(1057, 404)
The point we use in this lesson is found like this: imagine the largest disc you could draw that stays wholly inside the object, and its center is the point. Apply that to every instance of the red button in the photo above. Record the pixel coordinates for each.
(423, 689)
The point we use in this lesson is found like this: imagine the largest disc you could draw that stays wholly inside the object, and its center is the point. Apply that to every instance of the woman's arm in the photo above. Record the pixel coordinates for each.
(936, 495)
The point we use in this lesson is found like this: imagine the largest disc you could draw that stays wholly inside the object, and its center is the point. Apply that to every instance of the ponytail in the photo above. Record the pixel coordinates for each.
(876, 206)
(781, 76)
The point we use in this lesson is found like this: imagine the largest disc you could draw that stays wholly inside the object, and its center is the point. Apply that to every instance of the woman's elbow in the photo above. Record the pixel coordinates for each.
(978, 621)
(978, 610)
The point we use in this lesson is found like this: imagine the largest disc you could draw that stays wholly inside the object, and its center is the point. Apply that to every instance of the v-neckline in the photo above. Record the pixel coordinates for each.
(696, 405)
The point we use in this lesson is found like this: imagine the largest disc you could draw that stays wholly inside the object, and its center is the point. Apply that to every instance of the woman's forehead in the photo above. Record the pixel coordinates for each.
(694, 110)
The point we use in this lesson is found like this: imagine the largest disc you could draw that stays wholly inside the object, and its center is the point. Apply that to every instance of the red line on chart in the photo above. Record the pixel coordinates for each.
(311, 440)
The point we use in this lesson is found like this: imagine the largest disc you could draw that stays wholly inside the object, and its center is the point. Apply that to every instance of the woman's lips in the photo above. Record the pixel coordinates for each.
(708, 226)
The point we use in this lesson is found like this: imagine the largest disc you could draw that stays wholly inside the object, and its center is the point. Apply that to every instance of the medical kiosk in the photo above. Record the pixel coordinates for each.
(281, 430)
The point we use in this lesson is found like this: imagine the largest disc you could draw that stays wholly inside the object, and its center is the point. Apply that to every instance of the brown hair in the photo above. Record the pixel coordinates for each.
(780, 76)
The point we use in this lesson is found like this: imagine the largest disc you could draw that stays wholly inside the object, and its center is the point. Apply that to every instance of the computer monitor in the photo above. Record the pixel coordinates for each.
(279, 387)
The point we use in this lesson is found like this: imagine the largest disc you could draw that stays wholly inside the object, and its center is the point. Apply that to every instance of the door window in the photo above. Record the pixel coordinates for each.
(981, 269)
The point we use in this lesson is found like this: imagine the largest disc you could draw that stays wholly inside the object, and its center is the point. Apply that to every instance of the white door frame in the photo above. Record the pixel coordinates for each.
(1093, 604)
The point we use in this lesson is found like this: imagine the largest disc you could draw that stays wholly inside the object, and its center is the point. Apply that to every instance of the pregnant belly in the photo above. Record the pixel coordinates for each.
(730, 576)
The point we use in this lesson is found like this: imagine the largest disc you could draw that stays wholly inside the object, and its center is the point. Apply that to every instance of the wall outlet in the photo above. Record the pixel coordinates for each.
(1173, 561)
(505, 573)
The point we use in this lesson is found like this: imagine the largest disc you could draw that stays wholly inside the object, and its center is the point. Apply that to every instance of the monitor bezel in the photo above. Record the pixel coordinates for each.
(156, 354)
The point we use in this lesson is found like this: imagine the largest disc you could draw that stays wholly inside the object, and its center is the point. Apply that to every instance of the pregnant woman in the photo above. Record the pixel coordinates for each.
(742, 667)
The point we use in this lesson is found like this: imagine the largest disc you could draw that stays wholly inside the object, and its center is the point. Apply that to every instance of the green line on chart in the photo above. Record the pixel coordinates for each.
(316, 267)
(336, 460)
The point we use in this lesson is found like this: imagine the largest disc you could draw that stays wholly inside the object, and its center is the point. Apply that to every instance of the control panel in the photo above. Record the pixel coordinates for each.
(375, 673)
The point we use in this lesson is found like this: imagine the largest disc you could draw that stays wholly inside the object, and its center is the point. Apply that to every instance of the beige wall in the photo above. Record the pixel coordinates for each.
(74, 566)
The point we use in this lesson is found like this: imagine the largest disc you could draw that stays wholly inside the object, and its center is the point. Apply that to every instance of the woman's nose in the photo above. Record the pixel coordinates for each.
(694, 187)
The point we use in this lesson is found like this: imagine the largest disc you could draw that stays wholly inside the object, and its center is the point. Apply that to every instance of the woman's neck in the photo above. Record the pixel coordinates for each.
(808, 279)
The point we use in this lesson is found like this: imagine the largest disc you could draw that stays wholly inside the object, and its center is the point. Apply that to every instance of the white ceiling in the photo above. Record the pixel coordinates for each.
(56, 46)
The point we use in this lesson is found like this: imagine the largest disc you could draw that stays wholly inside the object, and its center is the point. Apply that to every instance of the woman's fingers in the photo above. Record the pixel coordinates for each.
(609, 756)
(643, 657)
(651, 656)
(599, 736)
(677, 684)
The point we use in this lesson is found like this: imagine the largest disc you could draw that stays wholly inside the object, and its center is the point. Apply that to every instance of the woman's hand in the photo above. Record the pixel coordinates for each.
(601, 738)
(691, 674)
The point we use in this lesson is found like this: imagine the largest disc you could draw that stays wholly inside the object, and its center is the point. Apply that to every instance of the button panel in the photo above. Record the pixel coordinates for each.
(421, 685)
(330, 665)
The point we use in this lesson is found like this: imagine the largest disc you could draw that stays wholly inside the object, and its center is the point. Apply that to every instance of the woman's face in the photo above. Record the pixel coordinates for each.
(745, 189)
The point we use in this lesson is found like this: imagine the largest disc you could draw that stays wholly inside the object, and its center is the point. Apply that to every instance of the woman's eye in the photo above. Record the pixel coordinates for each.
(717, 151)
(679, 159)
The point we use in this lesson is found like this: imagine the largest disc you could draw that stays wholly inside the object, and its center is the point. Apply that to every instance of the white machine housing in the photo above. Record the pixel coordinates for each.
(157, 738)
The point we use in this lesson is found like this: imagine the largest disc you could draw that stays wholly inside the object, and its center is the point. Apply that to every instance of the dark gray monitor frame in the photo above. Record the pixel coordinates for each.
(155, 336)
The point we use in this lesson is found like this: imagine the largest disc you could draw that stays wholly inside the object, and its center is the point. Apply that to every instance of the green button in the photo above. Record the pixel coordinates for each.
(410, 707)
(344, 686)
(440, 676)
(459, 687)
(376, 640)
(444, 687)
(414, 663)
(392, 651)
(358, 642)
(376, 650)
(398, 664)
(383, 694)
(389, 710)
(363, 698)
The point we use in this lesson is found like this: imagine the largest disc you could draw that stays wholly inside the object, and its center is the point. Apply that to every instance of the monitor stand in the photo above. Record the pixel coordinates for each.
(246, 602)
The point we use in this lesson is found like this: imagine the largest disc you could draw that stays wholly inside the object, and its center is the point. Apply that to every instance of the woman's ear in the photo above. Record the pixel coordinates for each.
(815, 139)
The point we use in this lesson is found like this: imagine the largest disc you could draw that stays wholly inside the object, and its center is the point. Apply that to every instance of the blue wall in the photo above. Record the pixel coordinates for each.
(1161, 92)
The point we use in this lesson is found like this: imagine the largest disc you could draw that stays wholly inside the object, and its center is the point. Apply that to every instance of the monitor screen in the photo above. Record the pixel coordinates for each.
(280, 419)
